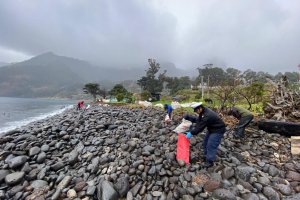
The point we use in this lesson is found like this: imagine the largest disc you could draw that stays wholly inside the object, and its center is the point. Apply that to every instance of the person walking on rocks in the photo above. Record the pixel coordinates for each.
(215, 131)
(169, 110)
(78, 105)
(244, 116)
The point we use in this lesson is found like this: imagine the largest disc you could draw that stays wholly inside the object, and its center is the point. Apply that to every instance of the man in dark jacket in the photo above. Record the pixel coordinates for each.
(244, 116)
(215, 131)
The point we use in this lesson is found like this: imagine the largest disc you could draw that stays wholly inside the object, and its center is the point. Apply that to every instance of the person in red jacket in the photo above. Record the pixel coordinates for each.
(81, 104)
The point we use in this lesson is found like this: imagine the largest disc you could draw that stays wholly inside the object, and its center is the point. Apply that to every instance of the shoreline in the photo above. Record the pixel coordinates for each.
(131, 153)
(25, 122)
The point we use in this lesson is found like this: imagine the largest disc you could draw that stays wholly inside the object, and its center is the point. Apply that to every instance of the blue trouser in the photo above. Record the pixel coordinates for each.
(210, 145)
(240, 128)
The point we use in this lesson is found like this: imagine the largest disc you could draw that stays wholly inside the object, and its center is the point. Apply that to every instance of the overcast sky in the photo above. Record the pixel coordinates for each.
(263, 35)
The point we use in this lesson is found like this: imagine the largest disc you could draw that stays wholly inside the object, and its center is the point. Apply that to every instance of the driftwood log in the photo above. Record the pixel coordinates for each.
(283, 128)
(284, 104)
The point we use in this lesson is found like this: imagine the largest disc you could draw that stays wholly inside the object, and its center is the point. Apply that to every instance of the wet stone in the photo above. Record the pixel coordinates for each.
(250, 196)
(38, 184)
(122, 186)
(273, 171)
(3, 174)
(223, 194)
(270, 193)
(79, 186)
(211, 185)
(34, 151)
(73, 157)
(17, 161)
(14, 178)
(152, 170)
(149, 149)
(41, 157)
(284, 189)
(57, 166)
(187, 197)
(227, 172)
(264, 180)
(244, 173)
(293, 176)
(91, 190)
(108, 192)
(187, 176)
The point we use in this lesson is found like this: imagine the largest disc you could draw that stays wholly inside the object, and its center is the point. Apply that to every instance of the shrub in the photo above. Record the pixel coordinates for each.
(145, 95)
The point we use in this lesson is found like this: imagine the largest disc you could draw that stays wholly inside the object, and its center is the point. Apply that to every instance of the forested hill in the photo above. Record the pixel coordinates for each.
(49, 75)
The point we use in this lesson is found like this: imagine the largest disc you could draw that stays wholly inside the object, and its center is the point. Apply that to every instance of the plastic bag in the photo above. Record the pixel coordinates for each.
(183, 127)
(167, 118)
(183, 148)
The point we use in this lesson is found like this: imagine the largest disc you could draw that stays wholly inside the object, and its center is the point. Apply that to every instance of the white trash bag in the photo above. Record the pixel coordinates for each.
(183, 127)
(167, 118)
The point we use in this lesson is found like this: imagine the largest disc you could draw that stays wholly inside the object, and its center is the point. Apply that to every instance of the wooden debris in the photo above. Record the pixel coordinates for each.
(295, 145)
(284, 104)
(283, 128)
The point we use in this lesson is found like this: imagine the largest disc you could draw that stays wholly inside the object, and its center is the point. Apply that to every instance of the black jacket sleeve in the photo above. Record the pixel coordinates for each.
(191, 118)
(200, 125)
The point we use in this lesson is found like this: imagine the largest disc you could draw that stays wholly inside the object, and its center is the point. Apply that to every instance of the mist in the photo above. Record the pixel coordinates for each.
(255, 34)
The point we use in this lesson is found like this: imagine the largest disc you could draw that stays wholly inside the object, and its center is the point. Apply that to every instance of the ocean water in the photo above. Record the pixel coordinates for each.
(17, 112)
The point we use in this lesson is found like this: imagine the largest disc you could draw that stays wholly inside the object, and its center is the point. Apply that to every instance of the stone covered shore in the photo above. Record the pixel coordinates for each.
(129, 153)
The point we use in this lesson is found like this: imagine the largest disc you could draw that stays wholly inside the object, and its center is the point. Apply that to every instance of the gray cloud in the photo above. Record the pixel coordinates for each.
(262, 35)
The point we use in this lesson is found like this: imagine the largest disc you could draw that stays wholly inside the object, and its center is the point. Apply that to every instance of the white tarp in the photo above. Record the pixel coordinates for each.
(185, 105)
(175, 105)
(145, 103)
(160, 105)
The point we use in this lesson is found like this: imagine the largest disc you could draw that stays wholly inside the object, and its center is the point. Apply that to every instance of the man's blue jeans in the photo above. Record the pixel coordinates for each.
(210, 145)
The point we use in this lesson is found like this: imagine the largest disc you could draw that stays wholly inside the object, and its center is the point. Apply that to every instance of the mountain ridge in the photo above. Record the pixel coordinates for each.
(49, 74)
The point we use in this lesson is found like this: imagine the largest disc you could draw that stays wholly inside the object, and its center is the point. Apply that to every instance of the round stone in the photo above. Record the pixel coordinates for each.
(71, 194)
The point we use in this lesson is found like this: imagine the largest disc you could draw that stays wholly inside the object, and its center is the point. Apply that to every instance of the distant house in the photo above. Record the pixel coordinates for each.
(198, 87)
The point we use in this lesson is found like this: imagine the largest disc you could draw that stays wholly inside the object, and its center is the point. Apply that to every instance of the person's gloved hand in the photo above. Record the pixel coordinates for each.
(188, 135)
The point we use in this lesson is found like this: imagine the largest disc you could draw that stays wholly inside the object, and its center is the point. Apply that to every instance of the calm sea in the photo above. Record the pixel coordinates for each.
(17, 112)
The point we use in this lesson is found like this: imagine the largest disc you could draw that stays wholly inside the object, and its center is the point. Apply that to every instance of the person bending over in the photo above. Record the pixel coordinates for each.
(215, 131)
(244, 116)
(169, 110)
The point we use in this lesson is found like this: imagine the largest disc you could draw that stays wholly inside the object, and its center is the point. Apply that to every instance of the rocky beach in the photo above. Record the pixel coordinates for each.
(118, 152)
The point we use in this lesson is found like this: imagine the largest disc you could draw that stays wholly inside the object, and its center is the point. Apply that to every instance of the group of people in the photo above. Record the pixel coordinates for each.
(216, 127)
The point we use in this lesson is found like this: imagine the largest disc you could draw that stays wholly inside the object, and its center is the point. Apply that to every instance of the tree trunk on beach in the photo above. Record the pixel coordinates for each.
(283, 128)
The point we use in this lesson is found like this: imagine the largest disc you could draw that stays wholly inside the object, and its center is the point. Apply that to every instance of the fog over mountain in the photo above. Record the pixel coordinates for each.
(49, 74)
(3, 64)
(261, 35)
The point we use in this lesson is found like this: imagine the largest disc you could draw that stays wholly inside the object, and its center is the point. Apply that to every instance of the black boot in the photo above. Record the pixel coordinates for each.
(208, 164)
(238, 136)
